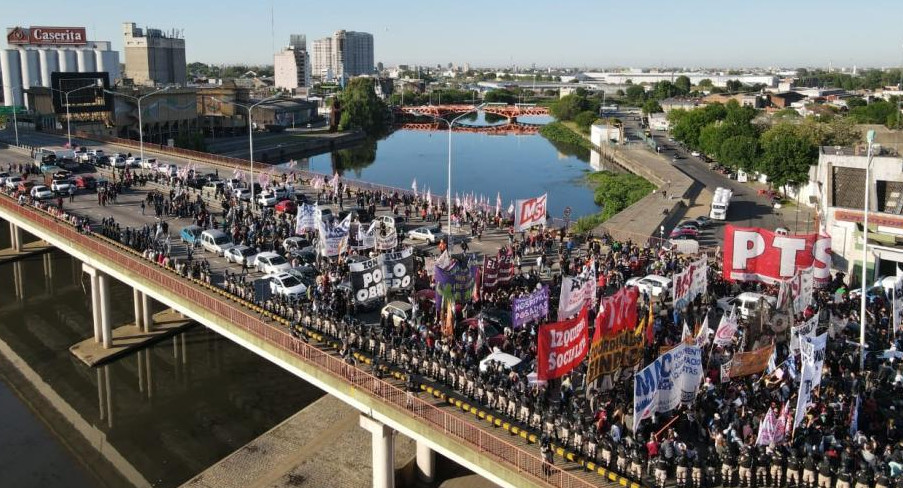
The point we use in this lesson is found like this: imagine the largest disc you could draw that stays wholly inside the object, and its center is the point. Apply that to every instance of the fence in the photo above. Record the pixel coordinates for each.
(116, 255)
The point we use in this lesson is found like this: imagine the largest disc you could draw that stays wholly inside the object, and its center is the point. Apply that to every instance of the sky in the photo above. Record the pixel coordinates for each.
(566, 33)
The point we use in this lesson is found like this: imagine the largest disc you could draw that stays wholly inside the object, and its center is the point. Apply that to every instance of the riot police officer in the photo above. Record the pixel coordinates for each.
(683, 470)
(747, 467)
(794, 470)
(728, 469)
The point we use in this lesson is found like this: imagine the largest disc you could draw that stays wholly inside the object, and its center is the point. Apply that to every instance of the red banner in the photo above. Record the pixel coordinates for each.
(754, 254)
(530, 212)
(616, 313)
(490, 273)
(562, 345)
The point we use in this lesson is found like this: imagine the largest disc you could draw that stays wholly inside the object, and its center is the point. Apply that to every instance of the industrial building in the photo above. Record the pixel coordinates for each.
(291, 66)
(35, 53)
(153, 57)
(640, 77)
(345, 54)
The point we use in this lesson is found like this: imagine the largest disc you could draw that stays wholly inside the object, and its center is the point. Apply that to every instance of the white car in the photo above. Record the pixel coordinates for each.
(747, 303)
(695, 154)
(287, 285)
(430, 234)
(62, 186)
(270, 262)
(118, 162)
(3, 176)
(12, 182)
(133, 162)
(240, 254)
(242, 194)
(266, 199)
(149, 163)
(652, 285)
(40, 192)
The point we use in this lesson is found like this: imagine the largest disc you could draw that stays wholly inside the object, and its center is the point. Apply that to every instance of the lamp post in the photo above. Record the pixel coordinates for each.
(870, 138)
(15, 119)
(250, 108)
(68, 117)
(140, 120)
(450, 124)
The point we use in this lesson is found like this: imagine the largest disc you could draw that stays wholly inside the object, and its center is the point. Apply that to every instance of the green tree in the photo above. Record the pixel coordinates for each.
(705, 83)
(568, 106)
(739, 152)
(682, 83)
(734, 85)
(635, 94)
(877, 112)
(787, 155)
(585, 119)
(361, 108)
(500, 96)
(652, 107)
(710, 139)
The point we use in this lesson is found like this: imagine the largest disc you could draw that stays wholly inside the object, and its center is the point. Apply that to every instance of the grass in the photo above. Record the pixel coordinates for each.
(562, 133)
(613, 192)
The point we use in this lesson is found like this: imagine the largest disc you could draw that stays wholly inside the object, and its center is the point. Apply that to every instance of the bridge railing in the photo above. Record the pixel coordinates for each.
(121, 256)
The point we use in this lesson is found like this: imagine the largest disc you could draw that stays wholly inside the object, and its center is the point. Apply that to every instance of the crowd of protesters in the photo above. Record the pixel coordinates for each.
(849, 437)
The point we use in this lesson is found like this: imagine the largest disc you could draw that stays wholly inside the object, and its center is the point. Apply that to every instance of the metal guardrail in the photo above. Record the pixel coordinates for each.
(521, 460)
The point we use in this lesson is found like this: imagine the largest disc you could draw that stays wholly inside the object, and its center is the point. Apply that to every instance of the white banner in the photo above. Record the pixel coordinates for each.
(897, 301)
(690, 283)
(803, 286)
(530, 212)
(669, 381)
(813, 354)
(307, 218)
(727, 329)
(333, 238)
(768, 430)
(577, 290)
(387, 241)
(807, 329)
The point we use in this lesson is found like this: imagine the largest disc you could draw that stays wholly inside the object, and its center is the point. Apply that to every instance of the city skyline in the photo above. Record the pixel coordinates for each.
(579, 33)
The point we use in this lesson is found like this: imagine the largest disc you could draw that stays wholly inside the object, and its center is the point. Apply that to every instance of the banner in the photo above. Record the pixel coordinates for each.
(690, 283)
(669, 381)
(802, 286)
(506, 267)
(530, 212)
(367, 280)
(361, 237)
(577, 291)
(455, 282)
(616, 313)
(398, 269)
(490, 273)
(306, 220)
(768, 430)
(611, 353)
(727, 329)
(754, 254)
(333, 238)
(897, 302)
(561, 346)
(386, 239)
(532, 307)
(807, 329)
(813, 354)
(751, 362)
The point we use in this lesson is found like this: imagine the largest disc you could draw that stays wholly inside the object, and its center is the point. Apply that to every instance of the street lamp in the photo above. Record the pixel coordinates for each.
(448, 200)
(15, 119)
(140, 120)
(68, 117)
(250, 108)
(870, 138)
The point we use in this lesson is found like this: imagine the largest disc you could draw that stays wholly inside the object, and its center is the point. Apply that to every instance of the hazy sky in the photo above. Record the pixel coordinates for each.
(579, 33)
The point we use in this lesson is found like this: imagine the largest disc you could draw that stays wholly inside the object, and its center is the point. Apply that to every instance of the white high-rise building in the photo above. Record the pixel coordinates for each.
(345, 54)
(292, 65)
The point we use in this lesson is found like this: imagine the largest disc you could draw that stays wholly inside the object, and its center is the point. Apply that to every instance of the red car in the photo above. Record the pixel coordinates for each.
(85, 182)
(684, 232)
(286, 206)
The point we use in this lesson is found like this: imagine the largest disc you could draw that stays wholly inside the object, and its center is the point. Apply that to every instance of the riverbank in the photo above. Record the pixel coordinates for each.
(613, 192)
(561, 133)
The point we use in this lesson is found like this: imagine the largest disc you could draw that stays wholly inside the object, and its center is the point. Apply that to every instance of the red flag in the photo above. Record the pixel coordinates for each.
(650, 327)
(562, 346)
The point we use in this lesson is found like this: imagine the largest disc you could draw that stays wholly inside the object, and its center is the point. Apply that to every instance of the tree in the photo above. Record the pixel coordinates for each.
(734, 85)
(651, 107)
(854, 102)
(682, 83)
(361, 108)
(568, 106)
(739, 152)
(877, 112)
(636, 94)
(585, 119)
(705, 83)
(787, 155)
(710, 139)
(500, 96)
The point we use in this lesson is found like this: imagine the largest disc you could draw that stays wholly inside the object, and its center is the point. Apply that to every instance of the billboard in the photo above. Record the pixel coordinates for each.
(754, 254)
(86, 92)
(46, 36)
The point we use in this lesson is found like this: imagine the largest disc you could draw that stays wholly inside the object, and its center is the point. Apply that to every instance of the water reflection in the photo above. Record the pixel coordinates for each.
(161, 415)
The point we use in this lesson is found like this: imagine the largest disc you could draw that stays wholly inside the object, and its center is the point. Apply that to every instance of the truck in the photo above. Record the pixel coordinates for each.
(62, 157)
(721, 200)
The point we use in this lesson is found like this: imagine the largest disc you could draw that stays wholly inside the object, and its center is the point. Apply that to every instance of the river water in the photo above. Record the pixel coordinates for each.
(510, 166)
(160, 416)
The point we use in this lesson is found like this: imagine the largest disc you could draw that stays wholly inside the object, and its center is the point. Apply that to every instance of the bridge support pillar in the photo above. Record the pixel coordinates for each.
(139, 314)
(103, 282)
(383, 447)
(148, 321)
(15, 237)
(94, 275)
(426, 463)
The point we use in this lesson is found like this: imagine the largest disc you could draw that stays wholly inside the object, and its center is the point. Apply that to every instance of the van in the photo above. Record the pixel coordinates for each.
(748, 304)
(397, 313)
(216, 241)
(210, 188)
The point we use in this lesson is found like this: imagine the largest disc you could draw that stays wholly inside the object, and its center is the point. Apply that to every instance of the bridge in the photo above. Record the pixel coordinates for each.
(511, 112)
(516, 128)
(481, 440)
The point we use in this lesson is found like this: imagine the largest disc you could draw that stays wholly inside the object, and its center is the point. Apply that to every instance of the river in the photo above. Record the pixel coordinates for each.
(161, 415)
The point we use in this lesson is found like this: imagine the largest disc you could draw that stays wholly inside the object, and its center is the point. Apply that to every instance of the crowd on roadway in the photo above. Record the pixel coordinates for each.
(711, 442)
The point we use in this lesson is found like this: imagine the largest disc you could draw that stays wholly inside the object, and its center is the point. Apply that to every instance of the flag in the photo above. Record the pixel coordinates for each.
(414, 186)
(650, 326)
(727, 328)
(783, 419)
(772, 361)
(702, 337)
(498, 204)
(768, 430)
(686, 335)
(429, 199)
(511, 209)
(854, 418)
(640, 327)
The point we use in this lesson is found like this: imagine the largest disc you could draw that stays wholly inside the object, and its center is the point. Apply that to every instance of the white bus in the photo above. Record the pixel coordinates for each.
(721, 200)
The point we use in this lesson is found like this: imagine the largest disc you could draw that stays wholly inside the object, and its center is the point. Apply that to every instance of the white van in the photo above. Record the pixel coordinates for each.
(216, 241)
(747, 303)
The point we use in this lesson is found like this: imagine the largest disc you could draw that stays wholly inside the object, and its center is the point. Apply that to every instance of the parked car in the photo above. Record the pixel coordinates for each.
(240, 254)
(684, 231)
(652, 285)
(62, 187)
(747, 303)
(242, 194)
(397, 312)
(190, 234)
(216, 241)
(703, 221)
(266, 199)
(295, 242)
(40, 192)
(12, 182)
(3, 176)
(49, 168)
(85, 181)
(287, 285)
(133, 161)
(430, 234)
(118, 162)
(689, 224)
(271, 262)
(286, 206)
